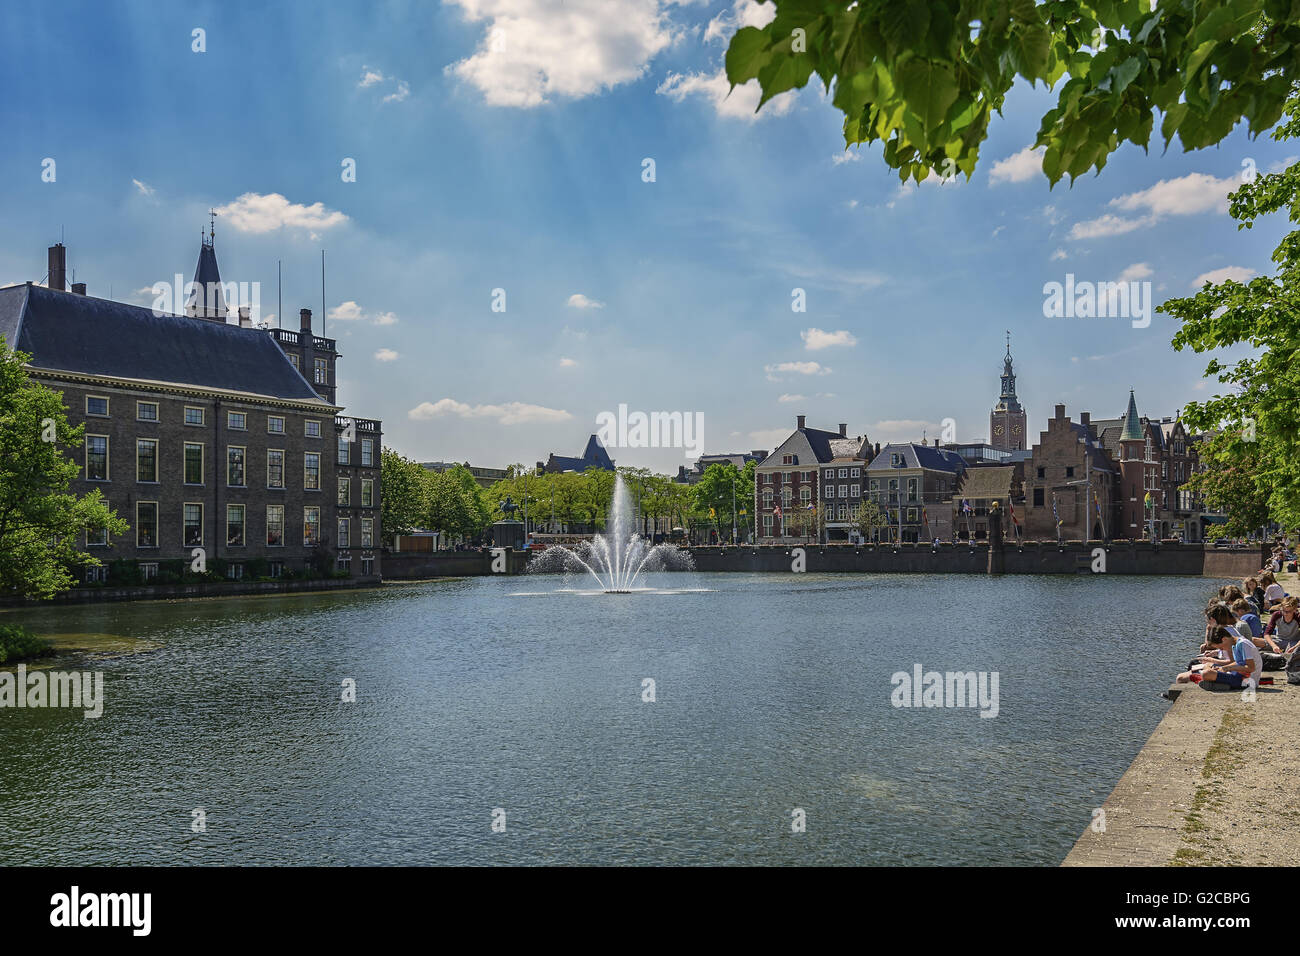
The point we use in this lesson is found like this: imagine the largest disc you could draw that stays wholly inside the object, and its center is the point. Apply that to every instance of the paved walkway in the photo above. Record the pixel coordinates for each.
(1215, 784)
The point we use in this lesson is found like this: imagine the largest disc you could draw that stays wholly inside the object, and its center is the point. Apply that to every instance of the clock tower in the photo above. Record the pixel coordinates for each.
(1007, 420)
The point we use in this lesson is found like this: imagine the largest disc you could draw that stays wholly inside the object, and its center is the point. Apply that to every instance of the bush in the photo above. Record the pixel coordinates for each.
(19, 644)
(124, 573)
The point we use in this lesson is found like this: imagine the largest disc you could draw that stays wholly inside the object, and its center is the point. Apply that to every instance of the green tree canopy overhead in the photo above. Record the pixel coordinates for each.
(41, 524)
(924, 77)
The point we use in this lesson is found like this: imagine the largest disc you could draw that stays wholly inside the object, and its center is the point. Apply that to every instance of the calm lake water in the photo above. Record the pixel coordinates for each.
(773, 693)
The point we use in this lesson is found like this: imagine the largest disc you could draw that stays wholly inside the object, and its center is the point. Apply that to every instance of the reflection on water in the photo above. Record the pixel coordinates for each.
(771, 693)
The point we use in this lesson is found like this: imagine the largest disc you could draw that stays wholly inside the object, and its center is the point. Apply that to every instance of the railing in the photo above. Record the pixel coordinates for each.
(290, 337)
(361, 424)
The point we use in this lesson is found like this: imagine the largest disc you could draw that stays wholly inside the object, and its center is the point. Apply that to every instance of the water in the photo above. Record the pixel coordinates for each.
(773, 693)
(616, 559)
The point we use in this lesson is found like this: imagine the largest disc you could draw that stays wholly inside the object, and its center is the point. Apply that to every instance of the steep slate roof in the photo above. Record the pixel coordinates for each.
(208, 279)
(989, 482)
(819, 441)
(920, 456)
(594, 456)
(65, 332)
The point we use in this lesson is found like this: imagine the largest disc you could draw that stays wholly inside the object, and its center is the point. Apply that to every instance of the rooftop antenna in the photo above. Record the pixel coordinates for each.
(322, 293)
(279, 297)
(212, 228)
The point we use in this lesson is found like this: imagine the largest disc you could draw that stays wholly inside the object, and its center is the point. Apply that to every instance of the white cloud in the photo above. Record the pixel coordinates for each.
(1138, 270)
(350, 311)
(1058, 255)
(1018, 167)
(256, 213)
(580, 301)
(511, 413)
(740, 103)
(1185, 196)
(796, 368)
(1235, 273)
(814, 339)
(402, 92)
(370, 77)
(743, 13)
(848, 156)
(145, 188)
(534, 51)
(568, 363)
(386, 355)
(787, 398)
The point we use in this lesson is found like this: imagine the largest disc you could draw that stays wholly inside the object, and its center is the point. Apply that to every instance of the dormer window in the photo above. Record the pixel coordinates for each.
(895, 460)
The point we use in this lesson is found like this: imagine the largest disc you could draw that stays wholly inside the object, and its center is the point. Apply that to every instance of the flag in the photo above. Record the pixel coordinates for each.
(1055, 513)
(777, 511)
(925, 517)
(712, 513)
(1097, 503)
(1012, 507)
(1147, 501)
(965, 506)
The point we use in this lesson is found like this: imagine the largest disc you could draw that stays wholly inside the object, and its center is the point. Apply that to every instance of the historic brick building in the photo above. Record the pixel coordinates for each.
(203, 433)
(787, 488)
(1070, 478)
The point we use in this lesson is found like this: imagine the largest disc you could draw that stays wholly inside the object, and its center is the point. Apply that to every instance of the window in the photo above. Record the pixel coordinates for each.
(345, 533)
(830, 472)
(844, 512)
(1069, 471)
(311, 471)
(767, 523)
(275, 468)
(844, 472)
(322, 371)
(146, 524)
(97, 405)
(1042, 472)
(895, 459)
(293, 357)
(237, 420)
(767, 500)
(367, 452)
(830, 491)
(235, 572)
(275, 424)
(193, 416)
(787, 459)
(875, 485)
(344, 447)
(146, 411)
(235, 526)
(310, 526)
(367, 492)
(893, 485)
(855, 472)
(97, 458)
(855, 491)
(805, 495)
(275, 527)
(97, 575)
(345, 563)
(146, 459)
(911, 489)
(97, 538)
(844, 491)
(311, 429)
(1038, 497)
(235, 466)
(149, 570)
(911, 516)
(345, 492)
(277, 568)
(193, 463)
(367, 532)
(192, 522)
(367, 566)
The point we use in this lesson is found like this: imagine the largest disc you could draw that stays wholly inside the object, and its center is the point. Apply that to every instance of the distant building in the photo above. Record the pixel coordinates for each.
(593, 456)
(692, 475)
(1007, 421)
(980, 487)
(485, 477)
(843, 487)
(1071, 478)
(908, 480)
(786, 483)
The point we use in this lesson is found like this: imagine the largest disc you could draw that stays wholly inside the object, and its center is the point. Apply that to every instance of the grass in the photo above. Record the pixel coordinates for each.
(19, 644)
(1208, 797)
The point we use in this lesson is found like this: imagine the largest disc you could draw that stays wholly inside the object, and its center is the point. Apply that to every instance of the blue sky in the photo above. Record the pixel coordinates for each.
(496, 150)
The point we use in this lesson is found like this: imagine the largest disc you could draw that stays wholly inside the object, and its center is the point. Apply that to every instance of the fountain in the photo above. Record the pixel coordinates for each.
(617, 558)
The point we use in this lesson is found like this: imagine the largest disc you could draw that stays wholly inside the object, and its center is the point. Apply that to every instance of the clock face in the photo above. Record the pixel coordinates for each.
(997, 429)
(1015, 429)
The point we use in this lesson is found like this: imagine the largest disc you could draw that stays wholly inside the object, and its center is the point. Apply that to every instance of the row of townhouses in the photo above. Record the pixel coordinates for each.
(1112, 479)
(212, 438)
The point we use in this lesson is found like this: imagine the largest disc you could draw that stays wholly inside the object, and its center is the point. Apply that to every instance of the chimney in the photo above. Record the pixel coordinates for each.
(1085, 419)
(245, 319)
(844, 430)
(304, 320)
(1060, 412)
(801, 420)
(58, 267)
(78, 288)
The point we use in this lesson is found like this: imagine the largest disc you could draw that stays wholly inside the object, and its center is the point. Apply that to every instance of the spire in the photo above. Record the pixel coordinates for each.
(1132, 424)
(1007, 400)
(206, 300)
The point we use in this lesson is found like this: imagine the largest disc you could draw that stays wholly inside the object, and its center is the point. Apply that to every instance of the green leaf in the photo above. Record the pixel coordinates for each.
(746, 55)
(930, 90)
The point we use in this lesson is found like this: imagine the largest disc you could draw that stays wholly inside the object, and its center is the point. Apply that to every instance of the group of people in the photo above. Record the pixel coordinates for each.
(1238, 645)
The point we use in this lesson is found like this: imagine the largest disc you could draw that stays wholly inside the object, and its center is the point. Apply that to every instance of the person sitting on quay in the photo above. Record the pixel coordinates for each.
(1244, 668)
(1248, 622)
(1254, 594)
(1282, 633)
(1273, 592)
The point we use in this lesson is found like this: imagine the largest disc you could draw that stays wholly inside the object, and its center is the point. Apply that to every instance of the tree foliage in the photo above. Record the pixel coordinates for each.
(42, 525)
(403, 498)
(925, 77)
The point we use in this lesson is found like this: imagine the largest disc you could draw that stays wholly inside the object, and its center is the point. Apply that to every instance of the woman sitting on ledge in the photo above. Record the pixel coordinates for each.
(1283, 631)
(1273, 592)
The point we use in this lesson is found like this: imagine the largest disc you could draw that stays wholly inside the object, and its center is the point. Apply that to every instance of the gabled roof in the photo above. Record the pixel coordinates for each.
(920, 456)
(819, 442)
(593, 456)
(65, 332)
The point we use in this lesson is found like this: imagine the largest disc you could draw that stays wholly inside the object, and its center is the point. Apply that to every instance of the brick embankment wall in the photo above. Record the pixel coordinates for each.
(164, 592)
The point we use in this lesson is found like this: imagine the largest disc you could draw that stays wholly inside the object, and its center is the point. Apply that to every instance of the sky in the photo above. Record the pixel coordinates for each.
(503, 145)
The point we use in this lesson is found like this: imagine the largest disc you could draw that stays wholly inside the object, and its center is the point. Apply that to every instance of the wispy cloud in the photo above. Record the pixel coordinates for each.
(815, 339)
(144, 188)
(740, 103)
(387, 355)
(350, 311)
(1235, 273)
(511, 413)
(1184, 196)
(257, 213)
(1018, 167)
(580, 301)
(794, 368)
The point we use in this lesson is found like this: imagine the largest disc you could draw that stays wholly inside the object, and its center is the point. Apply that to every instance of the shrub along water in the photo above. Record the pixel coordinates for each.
(19, 644)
